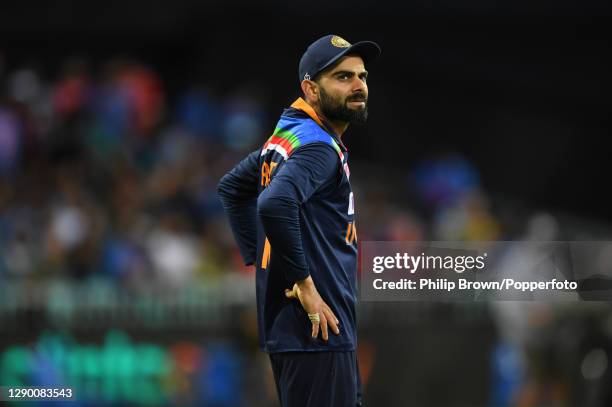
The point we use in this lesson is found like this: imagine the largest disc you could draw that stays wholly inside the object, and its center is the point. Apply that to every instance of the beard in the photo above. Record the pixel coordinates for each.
(335, 109)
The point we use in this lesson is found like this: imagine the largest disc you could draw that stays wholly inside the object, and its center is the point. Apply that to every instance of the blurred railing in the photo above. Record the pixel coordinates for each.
(98, 304)
(203, 304)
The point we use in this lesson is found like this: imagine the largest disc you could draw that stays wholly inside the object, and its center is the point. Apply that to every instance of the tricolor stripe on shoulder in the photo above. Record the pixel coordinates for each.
(292, 132)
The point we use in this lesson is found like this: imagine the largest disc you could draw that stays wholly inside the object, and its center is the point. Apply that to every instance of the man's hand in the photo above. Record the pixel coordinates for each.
(306, 292)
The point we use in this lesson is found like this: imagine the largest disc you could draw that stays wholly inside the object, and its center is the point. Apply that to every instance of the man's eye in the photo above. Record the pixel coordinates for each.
(344, 76)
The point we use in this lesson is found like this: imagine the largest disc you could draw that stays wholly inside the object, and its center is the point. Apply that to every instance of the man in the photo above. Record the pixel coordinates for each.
(291, 210)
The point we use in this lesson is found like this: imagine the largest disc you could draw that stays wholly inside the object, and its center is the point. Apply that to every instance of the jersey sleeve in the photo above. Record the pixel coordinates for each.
(238, 193)
(278, 207)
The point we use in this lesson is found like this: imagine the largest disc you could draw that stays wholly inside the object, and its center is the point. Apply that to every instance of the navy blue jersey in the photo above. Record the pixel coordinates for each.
(290, 206)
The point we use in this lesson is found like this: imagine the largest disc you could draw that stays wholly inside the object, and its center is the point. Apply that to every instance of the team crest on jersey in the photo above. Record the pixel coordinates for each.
(340, 42)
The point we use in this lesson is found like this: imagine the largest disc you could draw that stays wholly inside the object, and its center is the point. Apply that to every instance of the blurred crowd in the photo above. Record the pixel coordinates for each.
(104, 171)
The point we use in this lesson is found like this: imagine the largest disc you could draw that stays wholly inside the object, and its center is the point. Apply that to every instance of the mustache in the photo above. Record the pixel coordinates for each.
(357, 97)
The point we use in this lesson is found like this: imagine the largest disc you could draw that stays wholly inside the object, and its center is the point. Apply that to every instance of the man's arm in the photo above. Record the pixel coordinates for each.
(307, 169)
(278, 206)
(238, 192)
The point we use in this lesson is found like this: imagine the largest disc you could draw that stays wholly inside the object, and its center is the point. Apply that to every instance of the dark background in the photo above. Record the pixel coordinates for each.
(520, 88)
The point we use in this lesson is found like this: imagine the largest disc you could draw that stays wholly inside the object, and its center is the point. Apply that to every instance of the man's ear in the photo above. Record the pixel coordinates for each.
(311, 90)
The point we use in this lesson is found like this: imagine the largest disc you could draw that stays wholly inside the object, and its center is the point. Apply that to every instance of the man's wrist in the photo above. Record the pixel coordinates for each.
(305, 283)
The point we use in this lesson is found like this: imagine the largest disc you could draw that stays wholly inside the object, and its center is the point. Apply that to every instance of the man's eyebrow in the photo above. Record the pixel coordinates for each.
(350, 73)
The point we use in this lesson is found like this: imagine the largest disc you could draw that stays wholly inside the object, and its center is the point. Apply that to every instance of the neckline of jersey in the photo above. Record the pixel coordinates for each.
(301, 104)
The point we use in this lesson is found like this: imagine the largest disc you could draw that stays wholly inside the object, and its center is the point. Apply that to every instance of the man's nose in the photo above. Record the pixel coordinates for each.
(359, 84)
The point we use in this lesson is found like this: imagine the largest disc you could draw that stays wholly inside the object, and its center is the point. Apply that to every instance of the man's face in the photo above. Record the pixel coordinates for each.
(343, 92)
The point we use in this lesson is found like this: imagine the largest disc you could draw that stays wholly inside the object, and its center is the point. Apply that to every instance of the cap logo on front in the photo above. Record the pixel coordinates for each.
(339, 42)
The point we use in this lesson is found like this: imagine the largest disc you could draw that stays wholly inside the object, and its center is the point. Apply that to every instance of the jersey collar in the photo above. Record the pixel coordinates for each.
(301, 104)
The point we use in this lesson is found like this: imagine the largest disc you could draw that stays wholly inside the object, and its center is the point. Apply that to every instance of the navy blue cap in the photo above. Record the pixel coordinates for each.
(322, 54)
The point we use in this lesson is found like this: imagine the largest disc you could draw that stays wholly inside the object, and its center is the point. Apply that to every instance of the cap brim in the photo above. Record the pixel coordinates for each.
(367, 50)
